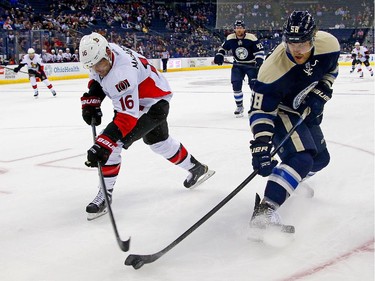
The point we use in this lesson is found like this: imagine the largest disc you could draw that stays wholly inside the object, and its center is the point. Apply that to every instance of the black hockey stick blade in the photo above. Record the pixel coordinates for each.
(124, 244)
(137, 261)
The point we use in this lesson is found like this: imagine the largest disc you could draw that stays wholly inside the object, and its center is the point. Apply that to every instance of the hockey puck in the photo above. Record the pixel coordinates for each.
(137, 263)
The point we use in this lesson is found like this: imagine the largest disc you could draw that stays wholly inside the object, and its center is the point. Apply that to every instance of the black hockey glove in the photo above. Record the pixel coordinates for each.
(34, 72)
(258, 63)
(100, 151)
(91, 109)
(262, 161)
(18, 68)
(316, 100)
(219, 59)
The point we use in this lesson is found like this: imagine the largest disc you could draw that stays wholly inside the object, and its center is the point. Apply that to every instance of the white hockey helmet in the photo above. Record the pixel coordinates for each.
(92, 49)
(357, 44)
(31, 51)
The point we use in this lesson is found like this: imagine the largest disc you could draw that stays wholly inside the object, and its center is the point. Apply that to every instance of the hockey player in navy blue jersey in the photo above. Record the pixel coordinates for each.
(248, 56)
(297, 77)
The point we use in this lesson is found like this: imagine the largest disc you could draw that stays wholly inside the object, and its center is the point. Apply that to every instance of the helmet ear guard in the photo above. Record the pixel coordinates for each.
(92, 49)
(300, 27)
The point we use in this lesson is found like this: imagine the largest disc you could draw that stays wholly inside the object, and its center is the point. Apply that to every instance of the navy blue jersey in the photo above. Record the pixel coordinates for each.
(283, 84)
(245, 50)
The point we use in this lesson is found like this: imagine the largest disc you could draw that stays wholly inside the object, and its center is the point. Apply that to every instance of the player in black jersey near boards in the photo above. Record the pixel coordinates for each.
(248, 56)
(297, 77)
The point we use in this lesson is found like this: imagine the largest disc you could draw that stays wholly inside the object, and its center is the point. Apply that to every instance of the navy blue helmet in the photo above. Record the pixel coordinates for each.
(300, 27)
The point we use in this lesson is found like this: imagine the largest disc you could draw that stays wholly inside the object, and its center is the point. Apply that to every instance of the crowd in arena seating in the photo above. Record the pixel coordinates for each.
(185, 31)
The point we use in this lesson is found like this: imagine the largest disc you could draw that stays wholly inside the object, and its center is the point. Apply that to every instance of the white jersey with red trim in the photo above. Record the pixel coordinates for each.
(133, 84)
(34, 63)
(360, 53)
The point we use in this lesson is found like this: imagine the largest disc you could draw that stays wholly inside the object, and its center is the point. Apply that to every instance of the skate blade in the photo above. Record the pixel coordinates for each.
(203, 178)
(238, 115)
(277, 236)
(93, 216)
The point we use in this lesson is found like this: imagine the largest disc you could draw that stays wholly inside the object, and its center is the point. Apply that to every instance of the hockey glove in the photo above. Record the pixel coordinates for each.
(258, 63)
(219, 59)
(100, 151)
(316, 100)
(262, 161)
(17, 69)
(91, 109)
(34, 72)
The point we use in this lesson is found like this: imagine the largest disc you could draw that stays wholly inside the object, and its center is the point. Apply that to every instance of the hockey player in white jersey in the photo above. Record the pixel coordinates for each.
(140, 96)
(360, 54)
(36, 70)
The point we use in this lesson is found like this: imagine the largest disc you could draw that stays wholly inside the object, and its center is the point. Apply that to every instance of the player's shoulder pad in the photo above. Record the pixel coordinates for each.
(251, 37)
(326, 43)
(231, 36)
(275, 66)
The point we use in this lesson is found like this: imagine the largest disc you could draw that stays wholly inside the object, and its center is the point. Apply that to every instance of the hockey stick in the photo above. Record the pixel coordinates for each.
(137, 261)
(13, 69)
(242, 64)
(123, 244)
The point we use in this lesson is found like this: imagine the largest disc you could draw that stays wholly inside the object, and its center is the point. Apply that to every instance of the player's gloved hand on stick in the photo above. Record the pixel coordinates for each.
(16, 69)
(34, 72)
(316, 100)
(91, 109)
(258, 63)
(100, 151)
(262, 161)
(219, 59)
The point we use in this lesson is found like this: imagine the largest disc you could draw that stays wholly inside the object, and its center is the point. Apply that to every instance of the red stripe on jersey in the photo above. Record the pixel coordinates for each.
(111, 170)
(125, 123)
(148, 89)
(180, 155)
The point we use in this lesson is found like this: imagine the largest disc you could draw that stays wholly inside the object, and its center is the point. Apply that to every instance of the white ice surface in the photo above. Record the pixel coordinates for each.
(44, 188)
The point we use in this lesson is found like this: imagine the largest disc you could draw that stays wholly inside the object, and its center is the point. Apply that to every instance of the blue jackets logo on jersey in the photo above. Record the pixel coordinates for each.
(241, 53)
(309, 68)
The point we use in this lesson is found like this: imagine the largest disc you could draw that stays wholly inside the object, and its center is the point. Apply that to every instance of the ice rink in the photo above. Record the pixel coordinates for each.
(45, 187)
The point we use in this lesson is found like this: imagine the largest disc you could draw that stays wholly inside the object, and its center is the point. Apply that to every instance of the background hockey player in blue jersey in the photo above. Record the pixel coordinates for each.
(248, 56)
(297, 77)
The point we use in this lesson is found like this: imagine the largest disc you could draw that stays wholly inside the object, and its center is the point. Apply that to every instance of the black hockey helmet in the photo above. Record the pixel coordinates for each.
(300, 27)
(239, 23)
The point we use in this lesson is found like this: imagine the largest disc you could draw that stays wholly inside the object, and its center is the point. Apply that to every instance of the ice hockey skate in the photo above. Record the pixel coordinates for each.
(266, 226)
(98, 207)
(198, 174)
(238, 112)
(36, 94)
(53, 93)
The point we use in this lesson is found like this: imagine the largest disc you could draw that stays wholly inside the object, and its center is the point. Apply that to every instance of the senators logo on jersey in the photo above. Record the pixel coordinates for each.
(122, 85)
